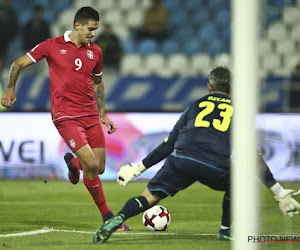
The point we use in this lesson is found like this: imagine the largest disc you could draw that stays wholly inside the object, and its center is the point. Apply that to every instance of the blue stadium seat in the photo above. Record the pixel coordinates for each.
(24, 17)
(178, 18)
(281, 3)
(225, 33)
(191, 5)
(223, 17)
(208, 32)
(216, 47)
(192, 47)
(218, 4)
(184, 34)
(200, 17)
(129, 46)
(147, 46)
(172, 4)
(170, 47)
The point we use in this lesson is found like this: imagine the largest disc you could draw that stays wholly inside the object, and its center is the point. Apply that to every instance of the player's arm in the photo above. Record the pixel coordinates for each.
(9, 96)
(132, 170)
(288, 205)
(100, 100)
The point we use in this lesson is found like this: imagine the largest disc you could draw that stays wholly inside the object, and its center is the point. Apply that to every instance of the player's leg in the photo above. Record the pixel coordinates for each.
(132, 207)
(167, 181)
(225, 230)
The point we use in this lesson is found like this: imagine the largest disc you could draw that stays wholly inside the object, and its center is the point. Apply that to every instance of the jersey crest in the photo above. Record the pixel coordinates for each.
(90, 54)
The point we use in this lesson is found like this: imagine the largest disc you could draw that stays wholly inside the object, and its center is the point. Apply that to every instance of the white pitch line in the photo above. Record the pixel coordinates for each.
(49, 230)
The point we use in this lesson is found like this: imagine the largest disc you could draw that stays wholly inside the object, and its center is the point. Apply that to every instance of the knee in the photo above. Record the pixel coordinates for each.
(101, 168)
(92, 166)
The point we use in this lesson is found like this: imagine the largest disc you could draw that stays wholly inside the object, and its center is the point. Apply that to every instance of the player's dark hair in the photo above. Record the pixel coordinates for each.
(84, 14)
(220, 79)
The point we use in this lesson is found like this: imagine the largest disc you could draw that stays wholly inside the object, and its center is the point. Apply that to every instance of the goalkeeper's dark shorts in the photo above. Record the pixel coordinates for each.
(179, 172)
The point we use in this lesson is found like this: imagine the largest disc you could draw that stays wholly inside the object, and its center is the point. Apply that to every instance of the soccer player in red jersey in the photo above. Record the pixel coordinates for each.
(77, 99)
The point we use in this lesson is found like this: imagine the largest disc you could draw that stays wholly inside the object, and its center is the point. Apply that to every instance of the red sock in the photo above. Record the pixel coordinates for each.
(75, 163)
(96, 191)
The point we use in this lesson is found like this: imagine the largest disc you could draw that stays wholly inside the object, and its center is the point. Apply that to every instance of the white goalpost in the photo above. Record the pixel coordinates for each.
(245, 82)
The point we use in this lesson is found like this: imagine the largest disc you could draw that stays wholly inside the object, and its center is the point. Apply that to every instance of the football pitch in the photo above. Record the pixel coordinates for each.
(58, 215)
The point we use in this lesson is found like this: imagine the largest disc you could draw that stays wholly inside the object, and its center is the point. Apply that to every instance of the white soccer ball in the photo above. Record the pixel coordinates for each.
(156, 218)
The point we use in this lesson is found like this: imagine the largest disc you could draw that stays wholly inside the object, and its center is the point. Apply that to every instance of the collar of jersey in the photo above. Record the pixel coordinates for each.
(68, 39)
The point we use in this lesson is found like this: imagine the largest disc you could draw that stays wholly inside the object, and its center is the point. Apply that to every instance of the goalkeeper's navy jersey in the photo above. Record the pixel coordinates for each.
(203, 131)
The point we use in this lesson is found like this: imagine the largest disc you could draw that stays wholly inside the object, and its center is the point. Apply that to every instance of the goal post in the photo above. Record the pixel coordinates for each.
(245, 99)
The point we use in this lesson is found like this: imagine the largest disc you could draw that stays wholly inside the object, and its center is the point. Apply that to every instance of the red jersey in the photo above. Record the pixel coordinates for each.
(71, 72)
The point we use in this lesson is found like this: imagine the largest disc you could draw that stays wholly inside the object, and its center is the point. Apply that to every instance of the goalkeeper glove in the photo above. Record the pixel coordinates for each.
(288, 205)
(130, 171)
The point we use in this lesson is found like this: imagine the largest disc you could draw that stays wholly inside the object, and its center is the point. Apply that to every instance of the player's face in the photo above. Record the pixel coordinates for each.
(87, 31)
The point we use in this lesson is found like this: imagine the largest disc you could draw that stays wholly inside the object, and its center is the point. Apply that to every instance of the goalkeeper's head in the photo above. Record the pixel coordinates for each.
(219, 80)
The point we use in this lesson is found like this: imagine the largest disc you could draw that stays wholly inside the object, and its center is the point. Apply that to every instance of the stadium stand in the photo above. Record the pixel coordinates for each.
(199, 36)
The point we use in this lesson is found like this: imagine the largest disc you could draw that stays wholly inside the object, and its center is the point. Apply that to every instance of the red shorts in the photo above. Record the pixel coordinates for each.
(80, 131)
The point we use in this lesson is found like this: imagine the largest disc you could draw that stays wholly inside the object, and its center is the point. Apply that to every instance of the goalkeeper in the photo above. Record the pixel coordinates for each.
(201, 139)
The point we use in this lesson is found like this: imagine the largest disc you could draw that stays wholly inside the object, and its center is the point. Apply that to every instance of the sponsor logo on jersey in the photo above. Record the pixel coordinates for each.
(63, 51)
(72, 143)
(90, 54)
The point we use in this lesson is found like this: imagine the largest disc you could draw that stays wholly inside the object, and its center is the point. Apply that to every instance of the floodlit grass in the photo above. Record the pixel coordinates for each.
(61, 208)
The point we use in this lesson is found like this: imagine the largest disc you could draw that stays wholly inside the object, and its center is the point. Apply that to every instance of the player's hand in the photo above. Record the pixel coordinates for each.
(130, 171)
(109, 123)
(287, 204)
(8, 98)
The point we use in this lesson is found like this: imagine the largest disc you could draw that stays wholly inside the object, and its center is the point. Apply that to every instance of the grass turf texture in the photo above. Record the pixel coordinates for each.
(195, 217)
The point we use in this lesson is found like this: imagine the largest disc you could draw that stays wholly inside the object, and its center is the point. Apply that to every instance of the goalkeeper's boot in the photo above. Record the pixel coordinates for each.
(103, 232)
(74, 173)
(225, 235)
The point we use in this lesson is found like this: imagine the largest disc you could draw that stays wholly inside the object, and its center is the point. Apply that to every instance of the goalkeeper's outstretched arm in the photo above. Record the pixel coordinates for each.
(287, 204)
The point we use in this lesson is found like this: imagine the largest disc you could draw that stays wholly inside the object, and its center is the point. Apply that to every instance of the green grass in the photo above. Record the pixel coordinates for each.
(196, 214)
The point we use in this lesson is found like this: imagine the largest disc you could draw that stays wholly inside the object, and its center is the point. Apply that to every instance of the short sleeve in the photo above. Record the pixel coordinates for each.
(40, 51)
(98, 67)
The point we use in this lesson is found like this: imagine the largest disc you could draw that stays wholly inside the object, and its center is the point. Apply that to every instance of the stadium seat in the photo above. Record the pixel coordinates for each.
(223, 17)
(295, 32)
(225, 33)
(105, 5)
(192, 5)
(223, 60)
(285, 47)
(129, 46)
(216, 46)
(208, 32)
(192, 47)
(121, 31)
(172, 4)
(170, 47)
(265, 47)
(201, 64)
(144, 4)
(218, 4)
(178, 64)
(290, 15)
(277, 31)
(271, 62)
(147, 46)
(66, 18)
(290, 61)
(200, 17)
(154, 63)
(135, 18)
(77, 4)
(178, 18)
(130, 64)
(280, 3)
(127, 5)
(185, 34)
(114, 17)
(24, 17)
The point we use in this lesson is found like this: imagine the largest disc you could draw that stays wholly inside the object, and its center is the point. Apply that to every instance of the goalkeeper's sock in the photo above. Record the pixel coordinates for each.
(75, 163)
(96, 191)
(226, 218)
(134, 206)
